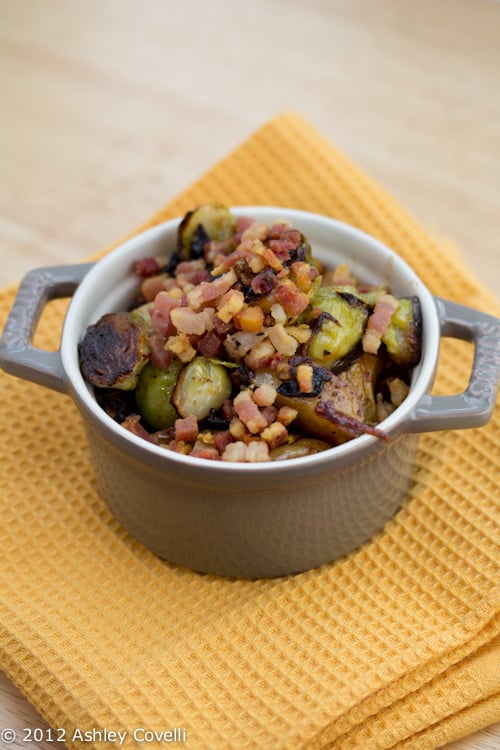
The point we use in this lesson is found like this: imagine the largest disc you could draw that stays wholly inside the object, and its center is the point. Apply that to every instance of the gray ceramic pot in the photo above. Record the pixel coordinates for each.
(253, 520)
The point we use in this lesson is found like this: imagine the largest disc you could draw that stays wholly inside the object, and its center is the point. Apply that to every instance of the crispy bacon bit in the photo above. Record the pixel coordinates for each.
(149, 266)
(305, 378)
(269, 413)
(261, 355)
(237, 429)
(254, 231)
(269, 257)
(210, 345)
(256, 264)
(179, 446)
(217, 247)
(242, 223)
(248, 411)
(378, 323)
(160, 357)
(256, 451)
(278, 314)
(187, 321)
(200, 450)
(186, 267)
(222, 328)
(282, 342)
(398, 390)
(282, 244)
(264, 281)
(132, 424)
(209, 291)
(304, 274)
(192, 272)
(181, 346)
(286, 415)
(274, 435)
(289, 297)
(163, 305)
(301, 333)
(186, 429)
(235, 452)
(222, 440)
(265, 395)
(151, 286)
(223, 263)
(238, 344)
(227, 409)
(279, 228)
(229, 304)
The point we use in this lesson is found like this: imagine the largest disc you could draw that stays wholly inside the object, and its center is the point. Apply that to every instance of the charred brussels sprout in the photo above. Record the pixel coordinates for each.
(154, 392)
(404, 333)
(203, 385)
(341, 328)
(210, 221)
(114, 350)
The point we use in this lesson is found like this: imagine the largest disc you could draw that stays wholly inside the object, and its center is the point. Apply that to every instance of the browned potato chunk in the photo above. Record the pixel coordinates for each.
(335, 415)
(362, 378)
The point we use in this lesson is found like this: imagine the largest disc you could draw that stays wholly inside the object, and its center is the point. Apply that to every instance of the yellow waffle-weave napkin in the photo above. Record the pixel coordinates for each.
(392, 647)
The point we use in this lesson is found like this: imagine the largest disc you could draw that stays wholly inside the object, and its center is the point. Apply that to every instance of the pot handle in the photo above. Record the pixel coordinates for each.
(475, 405)
(17, 354)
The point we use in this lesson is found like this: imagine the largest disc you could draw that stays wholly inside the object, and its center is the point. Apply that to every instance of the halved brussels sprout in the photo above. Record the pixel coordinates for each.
(154, 392)
(114, 351)
(142, 313)
(216, 222)
(203, 385)
(342, 327)
(403, 337)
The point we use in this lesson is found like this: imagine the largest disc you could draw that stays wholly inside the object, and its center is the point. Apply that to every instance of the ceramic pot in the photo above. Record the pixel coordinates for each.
(266, 519)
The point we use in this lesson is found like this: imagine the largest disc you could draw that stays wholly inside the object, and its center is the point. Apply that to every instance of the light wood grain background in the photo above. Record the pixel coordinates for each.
(110, 107)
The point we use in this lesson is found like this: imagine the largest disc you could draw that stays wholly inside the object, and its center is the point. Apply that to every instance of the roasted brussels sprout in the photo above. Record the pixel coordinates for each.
(142, 313)
(114, 350)
(341, 327)
(404, 333)
(203, 385)
(216, 222)
(154, 392)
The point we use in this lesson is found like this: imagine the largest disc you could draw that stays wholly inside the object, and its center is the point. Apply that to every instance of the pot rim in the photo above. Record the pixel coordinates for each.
(393, 426)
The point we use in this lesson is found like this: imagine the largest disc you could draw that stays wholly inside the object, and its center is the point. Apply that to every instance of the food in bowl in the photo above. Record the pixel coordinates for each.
(242, 347)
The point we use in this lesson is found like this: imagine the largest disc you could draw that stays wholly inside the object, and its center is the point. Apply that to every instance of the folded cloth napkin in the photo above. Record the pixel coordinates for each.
(391, 647)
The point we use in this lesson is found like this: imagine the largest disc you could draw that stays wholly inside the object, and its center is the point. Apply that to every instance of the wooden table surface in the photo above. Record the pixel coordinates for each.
(110, 108)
